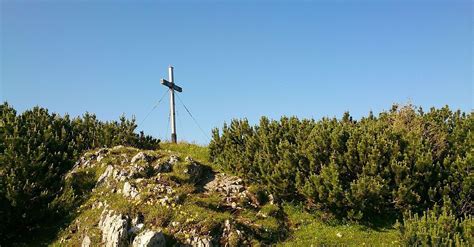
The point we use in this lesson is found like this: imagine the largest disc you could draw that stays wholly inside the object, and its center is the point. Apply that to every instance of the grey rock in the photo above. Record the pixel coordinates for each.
(229, 233)
(137, 170)
(97, 205)
(102, 151)
(173, 159)
(108, 172)
(88, 163)
(80, 162)
(149, 239)
(141, 156)
(114, 229)
(271, 199)
(163, 167)
(205, 241)
(188, 159)
(229, 185)
(136, 228)
(101, 154)
(197, 172)
(138, 219)
(117, 147)
(121, 175)
(129, 190)
(86, 242)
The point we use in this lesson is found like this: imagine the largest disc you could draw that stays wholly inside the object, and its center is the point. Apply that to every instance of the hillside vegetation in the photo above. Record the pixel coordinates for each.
(402, 178)
(400, 162)
(177, 198)
(37, 149)
(122, 194)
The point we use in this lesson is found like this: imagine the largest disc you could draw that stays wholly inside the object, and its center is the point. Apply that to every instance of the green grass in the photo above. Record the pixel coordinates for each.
(309, 230)
(156, 216)
(197, 152)
(204, 219)
(318, 233)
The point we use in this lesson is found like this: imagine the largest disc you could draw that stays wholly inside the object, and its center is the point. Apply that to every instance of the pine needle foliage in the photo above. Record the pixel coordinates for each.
(403, 159)
(437, 227)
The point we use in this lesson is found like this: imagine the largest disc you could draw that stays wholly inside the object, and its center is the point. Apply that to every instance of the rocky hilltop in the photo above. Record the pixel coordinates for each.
(132, 197)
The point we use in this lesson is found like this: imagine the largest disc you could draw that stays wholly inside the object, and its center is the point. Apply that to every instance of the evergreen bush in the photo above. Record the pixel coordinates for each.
(403, 159)
(37, 148)
(436, 228)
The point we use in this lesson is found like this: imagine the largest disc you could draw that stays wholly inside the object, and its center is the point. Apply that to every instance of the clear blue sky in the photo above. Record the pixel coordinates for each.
(235, 58)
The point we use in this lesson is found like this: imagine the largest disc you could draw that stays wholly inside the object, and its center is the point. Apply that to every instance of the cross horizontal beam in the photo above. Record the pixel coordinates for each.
(171, 85)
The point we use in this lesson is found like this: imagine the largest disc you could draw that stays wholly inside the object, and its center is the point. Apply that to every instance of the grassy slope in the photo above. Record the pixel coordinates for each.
(308, 230)
(304, 229)
(198, 153)
(188, 209)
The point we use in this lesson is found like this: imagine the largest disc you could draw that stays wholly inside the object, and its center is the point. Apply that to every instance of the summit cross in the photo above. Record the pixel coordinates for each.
(170, 84)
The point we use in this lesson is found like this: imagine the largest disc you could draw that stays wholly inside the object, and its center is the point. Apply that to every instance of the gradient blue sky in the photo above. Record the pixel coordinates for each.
(235, 58)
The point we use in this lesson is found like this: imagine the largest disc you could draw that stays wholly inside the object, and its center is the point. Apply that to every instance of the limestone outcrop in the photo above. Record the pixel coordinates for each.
(149, 239)
(137, 196)
(114, 229)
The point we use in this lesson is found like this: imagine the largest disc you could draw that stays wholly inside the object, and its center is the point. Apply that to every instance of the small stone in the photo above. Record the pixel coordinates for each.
(97, 205)
(163, 167)
(87, 163)
(141, 156)
(271, 200)
(173, 159)
(149, 239)
(175, 223)
(101, 154)
(129, 190)
(228, 185)
(164, 200)
(117, 147)
(135, 229)
(86, 242)
(121, 175)
(139, 219)
(200, 241)
(260, 214)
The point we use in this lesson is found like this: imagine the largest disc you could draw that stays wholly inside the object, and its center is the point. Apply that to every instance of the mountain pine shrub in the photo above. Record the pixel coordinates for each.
(37, 148)
(402, 160)
(438, 227)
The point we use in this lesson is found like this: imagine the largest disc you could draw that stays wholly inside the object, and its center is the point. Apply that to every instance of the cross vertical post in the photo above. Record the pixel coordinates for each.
(172, 107)
(172, 87)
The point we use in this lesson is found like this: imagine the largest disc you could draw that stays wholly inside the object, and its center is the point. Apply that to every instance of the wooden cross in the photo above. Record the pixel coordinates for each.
(170, 84)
